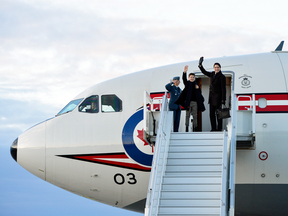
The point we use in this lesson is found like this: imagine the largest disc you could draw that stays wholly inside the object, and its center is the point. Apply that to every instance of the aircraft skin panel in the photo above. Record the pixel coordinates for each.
(266, 70)
(254, 66)
(283, 57)
(271, 139)
(89, 180)
(31, 151)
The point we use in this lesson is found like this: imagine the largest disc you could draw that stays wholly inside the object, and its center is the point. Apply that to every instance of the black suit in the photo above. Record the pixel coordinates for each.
(184, 98)
(217, 95)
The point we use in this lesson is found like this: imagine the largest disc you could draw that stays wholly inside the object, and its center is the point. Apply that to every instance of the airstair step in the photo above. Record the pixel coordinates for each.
(211, 211)
(190, 203)
(185, 161)
(197, 135)
(191, 187)
(200, 180)
(190, 195)
(197, 142)
(194, 155)
(191, 148)
(194, 174)
(195, 168)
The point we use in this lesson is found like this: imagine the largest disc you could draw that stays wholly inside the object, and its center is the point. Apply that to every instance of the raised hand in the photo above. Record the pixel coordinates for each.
(185, 68)
(201, 60)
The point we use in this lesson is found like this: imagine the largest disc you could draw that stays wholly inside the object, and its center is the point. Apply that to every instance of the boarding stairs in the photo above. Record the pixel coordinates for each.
(192, 173)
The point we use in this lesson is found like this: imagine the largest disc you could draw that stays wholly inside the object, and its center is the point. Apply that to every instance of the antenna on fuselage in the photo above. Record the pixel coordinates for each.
(280, 46)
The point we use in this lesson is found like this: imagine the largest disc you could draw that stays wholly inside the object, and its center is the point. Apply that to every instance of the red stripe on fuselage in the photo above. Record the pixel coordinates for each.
(104, 159)
(269, 97)
(92, 157)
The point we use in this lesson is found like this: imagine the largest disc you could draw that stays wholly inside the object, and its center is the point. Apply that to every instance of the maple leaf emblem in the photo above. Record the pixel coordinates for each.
(140, 136)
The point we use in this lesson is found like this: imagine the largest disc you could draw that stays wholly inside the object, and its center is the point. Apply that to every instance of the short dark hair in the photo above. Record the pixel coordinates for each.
(191, 74)
(217, 64)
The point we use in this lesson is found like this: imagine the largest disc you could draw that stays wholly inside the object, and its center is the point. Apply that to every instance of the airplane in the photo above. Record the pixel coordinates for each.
(98, 145)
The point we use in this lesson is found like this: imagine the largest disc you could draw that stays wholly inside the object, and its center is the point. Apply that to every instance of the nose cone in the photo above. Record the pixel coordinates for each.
(29, 150)
(13, 149)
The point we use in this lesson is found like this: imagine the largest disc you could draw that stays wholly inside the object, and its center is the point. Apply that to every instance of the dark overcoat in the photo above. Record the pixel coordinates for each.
(174, 94)
(217, 88)
(184, 98)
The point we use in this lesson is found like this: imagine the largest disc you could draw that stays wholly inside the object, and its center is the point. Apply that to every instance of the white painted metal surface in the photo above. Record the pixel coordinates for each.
(192, 183)
(231, 128)
(159, 160)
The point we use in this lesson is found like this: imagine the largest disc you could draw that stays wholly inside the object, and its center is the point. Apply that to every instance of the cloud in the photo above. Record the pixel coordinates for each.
(52, 50)
(17, 116)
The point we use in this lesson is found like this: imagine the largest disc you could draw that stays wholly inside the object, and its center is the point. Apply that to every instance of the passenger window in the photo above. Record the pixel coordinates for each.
(90, 105)
(111, 103)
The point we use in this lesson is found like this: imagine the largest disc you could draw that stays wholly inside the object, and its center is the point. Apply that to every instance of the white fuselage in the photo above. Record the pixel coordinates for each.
(100, 155)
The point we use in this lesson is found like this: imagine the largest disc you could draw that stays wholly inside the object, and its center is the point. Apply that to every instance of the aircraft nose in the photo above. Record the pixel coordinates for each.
(29, 150)
(13, 149)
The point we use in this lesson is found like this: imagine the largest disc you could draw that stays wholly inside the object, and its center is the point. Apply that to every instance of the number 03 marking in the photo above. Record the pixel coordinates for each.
(120, 179)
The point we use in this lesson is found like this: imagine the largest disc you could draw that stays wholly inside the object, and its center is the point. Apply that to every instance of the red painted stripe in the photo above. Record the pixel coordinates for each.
(243, 107)
(271, 108)
(158, 95)
(266, 96)
(153, 95)
(92, 157)
(272, 96)
(244, 98)
(97, 158)
(278, 108)
(130, 165)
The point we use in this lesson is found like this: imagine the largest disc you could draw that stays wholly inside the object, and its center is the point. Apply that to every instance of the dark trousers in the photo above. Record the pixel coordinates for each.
(176, 119)
(213, 116)
(192, 111)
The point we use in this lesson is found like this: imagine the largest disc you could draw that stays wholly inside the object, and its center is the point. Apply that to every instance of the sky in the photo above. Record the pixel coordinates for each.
(51, 50)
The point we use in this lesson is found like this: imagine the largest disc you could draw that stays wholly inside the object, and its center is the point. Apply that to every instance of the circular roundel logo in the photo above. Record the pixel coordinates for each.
(134, 144)
(263, 155)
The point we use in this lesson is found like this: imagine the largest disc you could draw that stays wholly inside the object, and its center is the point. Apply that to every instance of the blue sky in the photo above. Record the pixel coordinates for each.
(51, 50)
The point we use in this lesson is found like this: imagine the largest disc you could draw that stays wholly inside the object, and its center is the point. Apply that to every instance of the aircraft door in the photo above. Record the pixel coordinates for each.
(245, 113)
(204, 83)
(152, 106)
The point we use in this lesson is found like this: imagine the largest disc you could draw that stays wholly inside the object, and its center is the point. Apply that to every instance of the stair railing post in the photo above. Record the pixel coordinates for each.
(232, 165)
(160, 141)
(224, 189)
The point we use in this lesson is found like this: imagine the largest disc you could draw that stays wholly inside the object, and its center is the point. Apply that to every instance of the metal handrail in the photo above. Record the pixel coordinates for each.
(225, 165)
(232, 155)
(244, 96)
(147, 100)
(252, 108)
(160, 142)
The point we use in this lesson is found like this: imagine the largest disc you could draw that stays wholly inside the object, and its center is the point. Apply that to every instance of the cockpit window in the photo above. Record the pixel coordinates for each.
(70, 106)
(90, 105)
(111, 103)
